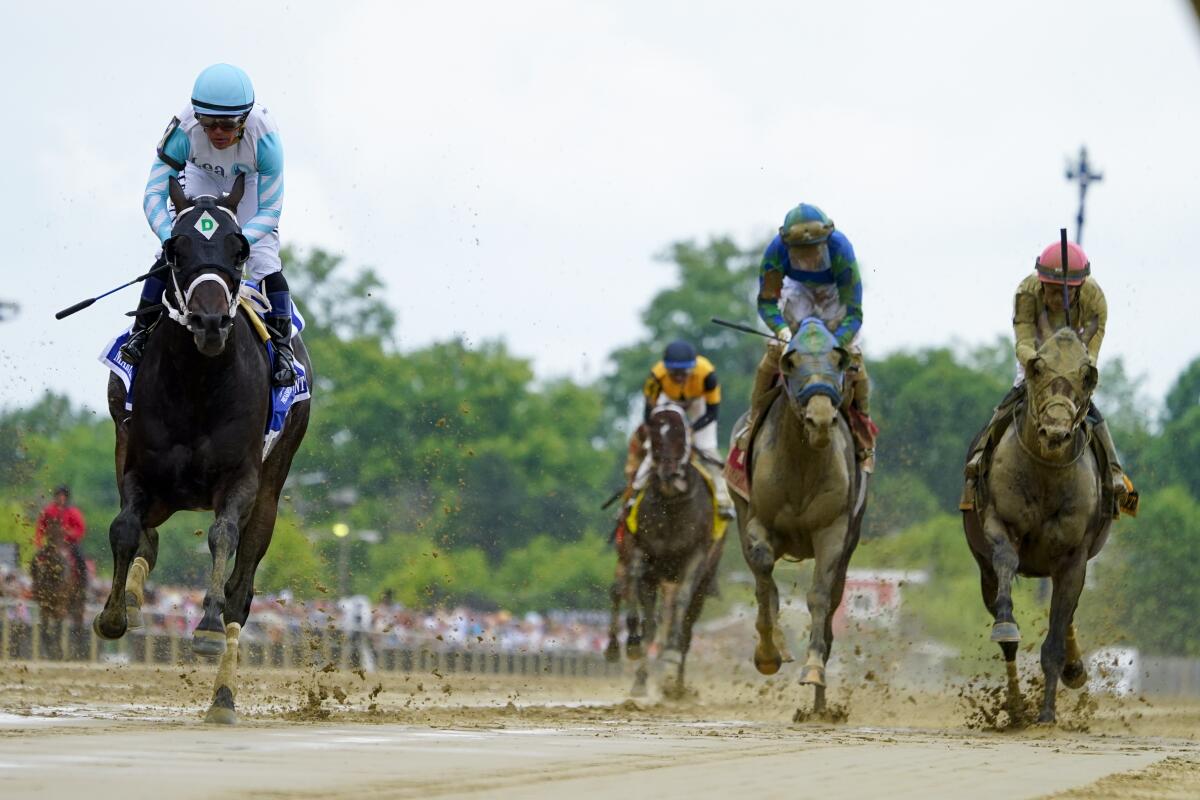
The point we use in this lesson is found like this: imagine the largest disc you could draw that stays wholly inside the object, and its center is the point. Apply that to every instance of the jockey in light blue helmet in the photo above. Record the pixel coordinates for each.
(223, 90)
(220, 135)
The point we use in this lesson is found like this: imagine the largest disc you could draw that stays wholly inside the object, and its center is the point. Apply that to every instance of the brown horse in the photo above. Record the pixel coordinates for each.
(1043, 510)
(672, 548)
(807, 498)
(60, 590)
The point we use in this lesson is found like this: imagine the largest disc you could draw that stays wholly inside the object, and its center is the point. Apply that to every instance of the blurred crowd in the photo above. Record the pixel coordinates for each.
(387, 624)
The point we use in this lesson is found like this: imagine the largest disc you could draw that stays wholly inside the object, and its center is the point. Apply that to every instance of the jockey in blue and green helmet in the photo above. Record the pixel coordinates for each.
(809, 270)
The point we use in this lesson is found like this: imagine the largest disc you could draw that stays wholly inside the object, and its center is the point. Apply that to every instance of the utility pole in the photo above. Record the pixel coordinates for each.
(1081, 172)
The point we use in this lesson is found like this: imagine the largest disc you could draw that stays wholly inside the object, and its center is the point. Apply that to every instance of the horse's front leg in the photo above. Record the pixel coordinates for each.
(636, 568)
(681, 603)
(1005, 561)
(760, 557)
(139, 571)
(823, 598)
(123, 536)
(1063, 601)
(233, 508)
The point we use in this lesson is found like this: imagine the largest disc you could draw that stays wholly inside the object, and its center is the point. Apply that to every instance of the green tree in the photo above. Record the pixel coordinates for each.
(717, 279)
(1159, 548)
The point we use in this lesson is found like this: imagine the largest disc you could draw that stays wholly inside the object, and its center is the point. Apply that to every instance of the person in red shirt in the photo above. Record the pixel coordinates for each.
(66, 515)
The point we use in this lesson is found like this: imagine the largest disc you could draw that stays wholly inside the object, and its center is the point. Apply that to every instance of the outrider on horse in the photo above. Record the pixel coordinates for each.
(800, 493)
(60, 590)
(674, 541)
(1042, 481)
(194, 439)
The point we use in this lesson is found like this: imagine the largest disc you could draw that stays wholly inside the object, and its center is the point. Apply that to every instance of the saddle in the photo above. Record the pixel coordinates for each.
(737, 466)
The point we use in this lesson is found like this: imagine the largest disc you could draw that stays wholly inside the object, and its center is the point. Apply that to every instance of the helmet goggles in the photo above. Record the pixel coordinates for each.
(221, 123)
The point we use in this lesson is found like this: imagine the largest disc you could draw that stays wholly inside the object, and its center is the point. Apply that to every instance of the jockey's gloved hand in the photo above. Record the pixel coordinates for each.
(784, 334)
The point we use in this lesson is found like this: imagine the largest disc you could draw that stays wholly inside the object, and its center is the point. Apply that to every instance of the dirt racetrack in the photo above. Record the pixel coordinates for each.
(135, 731)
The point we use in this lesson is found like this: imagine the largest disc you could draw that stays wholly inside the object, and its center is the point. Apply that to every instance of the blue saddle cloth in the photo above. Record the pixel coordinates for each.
(282, 397)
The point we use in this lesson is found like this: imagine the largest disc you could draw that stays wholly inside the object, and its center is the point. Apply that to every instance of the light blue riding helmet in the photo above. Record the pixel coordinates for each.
(223, 90)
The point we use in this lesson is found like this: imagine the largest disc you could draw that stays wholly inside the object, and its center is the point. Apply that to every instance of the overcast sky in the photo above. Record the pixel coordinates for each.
(511, 169)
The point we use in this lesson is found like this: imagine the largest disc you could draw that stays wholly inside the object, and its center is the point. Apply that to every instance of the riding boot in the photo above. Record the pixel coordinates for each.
(720, 490)
(764, 379)
(143, 323)
(865, 431)
(1116, 473)
(283, 371)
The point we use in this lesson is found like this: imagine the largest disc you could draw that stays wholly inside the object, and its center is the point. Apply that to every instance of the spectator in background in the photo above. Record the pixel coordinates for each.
(66, 515)
(70, 519)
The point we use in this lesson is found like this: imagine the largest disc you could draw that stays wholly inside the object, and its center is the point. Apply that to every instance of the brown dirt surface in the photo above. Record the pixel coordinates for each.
(1173, 778)
(302, 731)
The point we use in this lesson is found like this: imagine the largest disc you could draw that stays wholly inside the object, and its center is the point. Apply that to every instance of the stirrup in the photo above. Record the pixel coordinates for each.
(135, 346)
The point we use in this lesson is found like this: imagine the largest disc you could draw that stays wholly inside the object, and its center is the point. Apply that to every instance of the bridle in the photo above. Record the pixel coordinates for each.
(183, 297)
(679, 475)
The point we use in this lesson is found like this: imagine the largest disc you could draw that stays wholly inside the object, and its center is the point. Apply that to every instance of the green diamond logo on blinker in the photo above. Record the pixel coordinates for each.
(206, 225)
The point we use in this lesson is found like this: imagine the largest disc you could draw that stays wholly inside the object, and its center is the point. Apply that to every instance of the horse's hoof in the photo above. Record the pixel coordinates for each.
(1047, 718)
(1006, 632)
(1074, 675)
(218, 715)
(767, 665)
(812, 675)
(133, 613)
(612, 653)
(208, 643)
(109, 632)
(633, 651)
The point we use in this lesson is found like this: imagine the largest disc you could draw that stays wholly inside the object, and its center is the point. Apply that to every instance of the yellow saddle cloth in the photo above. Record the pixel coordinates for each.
(720, 524)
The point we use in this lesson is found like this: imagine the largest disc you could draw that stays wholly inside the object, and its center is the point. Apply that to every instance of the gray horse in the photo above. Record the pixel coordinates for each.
(1042, 509)
(673, 548)
(807, 497)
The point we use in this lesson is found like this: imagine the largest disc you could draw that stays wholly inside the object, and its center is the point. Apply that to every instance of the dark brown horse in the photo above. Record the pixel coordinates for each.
(60, 590)
(1043, 510)
(194, 439)
(672, 548)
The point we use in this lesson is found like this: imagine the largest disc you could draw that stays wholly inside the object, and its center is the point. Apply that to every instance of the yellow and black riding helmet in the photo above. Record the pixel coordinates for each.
(805, 224)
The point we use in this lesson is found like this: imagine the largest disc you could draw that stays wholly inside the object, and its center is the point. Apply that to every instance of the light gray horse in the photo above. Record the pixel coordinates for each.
(807, 497)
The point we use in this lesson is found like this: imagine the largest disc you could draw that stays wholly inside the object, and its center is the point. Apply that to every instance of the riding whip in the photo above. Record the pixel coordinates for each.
(737, 326)
(82, 304)
(1062, 238)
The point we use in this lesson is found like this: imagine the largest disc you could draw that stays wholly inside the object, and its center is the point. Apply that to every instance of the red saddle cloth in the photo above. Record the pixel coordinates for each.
(736, 476)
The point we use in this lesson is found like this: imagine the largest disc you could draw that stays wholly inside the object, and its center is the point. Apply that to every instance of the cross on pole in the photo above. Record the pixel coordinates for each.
(1081, 172)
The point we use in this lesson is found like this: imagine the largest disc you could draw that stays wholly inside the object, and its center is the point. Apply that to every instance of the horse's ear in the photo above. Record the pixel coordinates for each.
(178, 198)
(237, 247)
(234, 197)
(1044, 331)
(1036, 366)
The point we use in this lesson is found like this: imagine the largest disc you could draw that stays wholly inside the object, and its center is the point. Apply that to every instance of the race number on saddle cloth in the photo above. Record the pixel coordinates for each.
(814, 347)
(282, 397)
